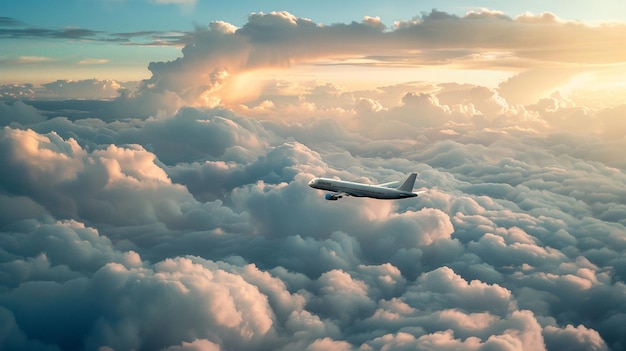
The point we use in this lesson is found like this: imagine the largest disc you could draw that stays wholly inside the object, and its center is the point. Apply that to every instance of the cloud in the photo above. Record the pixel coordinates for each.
(21, 113)
(12, 28)
(523, 88)
(66, 89)
(401, 268)
(228, 309)
(279, 39)
(150, 222)
(93, 61)
(586, 339)
(57, 172)
(196, 345)
(64, 33)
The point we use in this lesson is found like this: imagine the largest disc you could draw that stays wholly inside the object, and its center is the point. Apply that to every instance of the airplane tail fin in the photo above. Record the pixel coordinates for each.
(408, 183)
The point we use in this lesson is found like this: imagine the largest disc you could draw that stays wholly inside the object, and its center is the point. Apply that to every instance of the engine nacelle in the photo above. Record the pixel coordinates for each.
(332, 197)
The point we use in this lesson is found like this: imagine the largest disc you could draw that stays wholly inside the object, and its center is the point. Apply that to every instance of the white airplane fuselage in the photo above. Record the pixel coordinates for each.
(342, 187)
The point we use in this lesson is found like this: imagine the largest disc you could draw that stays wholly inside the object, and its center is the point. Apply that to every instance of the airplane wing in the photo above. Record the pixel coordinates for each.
(389, 185)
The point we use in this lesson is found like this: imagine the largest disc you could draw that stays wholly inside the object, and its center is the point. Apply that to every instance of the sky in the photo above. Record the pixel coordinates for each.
(156, 156)
(113, 39)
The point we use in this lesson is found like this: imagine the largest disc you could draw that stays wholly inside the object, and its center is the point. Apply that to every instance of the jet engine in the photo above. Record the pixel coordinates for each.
(332, 197)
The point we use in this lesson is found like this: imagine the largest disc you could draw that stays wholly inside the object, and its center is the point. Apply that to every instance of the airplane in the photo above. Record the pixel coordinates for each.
(341, 188)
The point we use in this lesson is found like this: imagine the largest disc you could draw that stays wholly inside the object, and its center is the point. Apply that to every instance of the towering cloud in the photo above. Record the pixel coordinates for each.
(479, 40)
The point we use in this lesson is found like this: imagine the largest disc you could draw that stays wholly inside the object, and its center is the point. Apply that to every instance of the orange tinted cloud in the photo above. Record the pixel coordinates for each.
(485, 40)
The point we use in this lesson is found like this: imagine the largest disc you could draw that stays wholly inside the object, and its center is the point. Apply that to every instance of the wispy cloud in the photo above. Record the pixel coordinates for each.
(93, 61)
(62, 33)
(25, 60)
(13, 29)
(9, 22)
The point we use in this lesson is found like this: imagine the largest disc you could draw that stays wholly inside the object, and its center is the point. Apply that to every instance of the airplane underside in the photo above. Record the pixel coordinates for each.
(336, 196)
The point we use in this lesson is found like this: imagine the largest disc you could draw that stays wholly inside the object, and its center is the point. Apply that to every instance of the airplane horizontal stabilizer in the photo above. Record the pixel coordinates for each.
(390, 184)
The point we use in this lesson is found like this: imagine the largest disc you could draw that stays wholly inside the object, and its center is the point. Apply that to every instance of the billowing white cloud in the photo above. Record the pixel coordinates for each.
(211, 63)
(144, 223)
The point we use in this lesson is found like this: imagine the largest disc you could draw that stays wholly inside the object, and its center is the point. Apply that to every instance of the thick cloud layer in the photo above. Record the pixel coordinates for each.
(167, 228)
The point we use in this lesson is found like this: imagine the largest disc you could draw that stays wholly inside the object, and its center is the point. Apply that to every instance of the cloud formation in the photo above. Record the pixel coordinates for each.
(12, 28)
(279, 39)
(145, 223)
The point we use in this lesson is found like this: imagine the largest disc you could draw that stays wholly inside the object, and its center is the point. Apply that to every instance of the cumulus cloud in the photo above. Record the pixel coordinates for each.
(145, 223)
(215, 57)
(66, 89)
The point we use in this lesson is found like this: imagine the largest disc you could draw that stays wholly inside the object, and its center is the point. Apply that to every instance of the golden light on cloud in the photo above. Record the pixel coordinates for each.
(603, 87)
(244, 86)
(238, 88)
(365, 77)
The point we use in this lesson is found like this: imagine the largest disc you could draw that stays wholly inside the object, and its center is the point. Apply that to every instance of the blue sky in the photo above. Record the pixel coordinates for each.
(135, 15)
